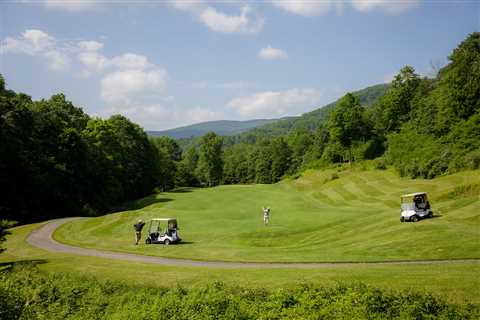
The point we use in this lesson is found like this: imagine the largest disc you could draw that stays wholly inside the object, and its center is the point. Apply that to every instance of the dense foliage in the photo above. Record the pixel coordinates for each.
(441, 131)
(28, 294)
(4, 225)
(422, 126)
(55, 160)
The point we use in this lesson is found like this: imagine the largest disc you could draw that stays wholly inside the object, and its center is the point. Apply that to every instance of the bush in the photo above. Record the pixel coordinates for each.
(28, 294)
(417, 155)
(380, 164)
(472, 160)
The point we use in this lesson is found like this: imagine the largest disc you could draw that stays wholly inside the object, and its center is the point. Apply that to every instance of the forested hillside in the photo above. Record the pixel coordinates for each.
(313, 119)
(55, 160)
(423, 126)
(220, 127)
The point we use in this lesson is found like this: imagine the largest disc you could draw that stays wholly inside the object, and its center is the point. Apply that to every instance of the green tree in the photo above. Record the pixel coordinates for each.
(346, 124)
(280, 155)
(263, 165)
(185, 169)
(394, 107)
(4, 226)
(459, 84)
(299, 141)
(210, 165)
(169, 147)
(170, 154)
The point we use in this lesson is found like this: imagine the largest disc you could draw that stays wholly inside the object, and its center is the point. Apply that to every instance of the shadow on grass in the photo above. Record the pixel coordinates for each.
(7, 266)
(174, 244)
(184, 242)
(182, 190)
(149, 200)
(142, 203)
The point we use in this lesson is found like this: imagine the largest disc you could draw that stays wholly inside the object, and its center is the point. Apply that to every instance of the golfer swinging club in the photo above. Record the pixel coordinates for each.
(138, 230)
(266, 215)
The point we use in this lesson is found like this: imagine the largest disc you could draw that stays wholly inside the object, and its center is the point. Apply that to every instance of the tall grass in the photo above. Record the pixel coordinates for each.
(26, 293)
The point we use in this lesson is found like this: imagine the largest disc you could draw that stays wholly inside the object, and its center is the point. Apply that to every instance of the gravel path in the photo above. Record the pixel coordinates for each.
(42, 238)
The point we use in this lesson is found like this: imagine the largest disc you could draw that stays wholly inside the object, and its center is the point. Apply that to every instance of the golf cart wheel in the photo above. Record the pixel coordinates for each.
(402, 219)
(414, 219)
(148, 241)
(430, 214)
(167, 242)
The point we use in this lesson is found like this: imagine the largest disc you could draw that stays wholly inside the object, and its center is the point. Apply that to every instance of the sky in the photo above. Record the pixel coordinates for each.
(165, 64)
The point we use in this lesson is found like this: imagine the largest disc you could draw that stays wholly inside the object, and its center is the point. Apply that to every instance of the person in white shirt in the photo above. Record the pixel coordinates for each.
(266, 215)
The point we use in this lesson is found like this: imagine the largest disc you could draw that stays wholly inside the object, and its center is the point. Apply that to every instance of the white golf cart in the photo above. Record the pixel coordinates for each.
(415, 206)
(163, 230)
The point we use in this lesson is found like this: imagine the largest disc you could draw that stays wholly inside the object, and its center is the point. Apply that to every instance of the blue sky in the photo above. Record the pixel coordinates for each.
(165, 64)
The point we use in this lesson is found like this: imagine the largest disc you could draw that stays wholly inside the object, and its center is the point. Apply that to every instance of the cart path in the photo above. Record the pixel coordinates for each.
(42, 238)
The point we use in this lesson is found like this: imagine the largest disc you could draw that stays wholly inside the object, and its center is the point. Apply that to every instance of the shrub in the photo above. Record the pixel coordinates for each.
(380, 164)
(472, 160)
(417, 155)
(29, 294)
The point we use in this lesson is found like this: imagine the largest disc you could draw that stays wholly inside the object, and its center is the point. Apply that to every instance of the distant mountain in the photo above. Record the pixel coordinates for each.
(221, 127)
(313, 119)
(249, 130)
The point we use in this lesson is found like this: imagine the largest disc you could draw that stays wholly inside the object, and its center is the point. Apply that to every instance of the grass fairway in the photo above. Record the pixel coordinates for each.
(455, 282)
(314, 218)
(318, 217)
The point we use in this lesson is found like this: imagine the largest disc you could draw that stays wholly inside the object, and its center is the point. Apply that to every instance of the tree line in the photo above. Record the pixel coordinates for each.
(422, 126)
(55, 160)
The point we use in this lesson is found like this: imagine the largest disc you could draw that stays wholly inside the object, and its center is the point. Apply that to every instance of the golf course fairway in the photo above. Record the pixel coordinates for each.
(335, 215)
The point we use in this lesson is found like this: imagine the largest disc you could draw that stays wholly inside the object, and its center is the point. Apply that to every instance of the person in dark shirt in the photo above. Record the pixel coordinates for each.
(138, 230)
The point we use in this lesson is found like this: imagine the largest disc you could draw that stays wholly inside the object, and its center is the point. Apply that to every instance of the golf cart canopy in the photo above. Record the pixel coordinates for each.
(171, 222)
(409, 197)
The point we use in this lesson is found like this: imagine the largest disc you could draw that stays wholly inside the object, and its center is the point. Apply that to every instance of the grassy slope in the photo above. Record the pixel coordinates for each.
(353, 218)
(456, 282)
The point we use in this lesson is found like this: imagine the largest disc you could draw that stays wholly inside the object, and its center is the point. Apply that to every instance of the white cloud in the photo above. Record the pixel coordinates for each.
(122, 86)
(130, 61)
(311, 8)
(389, 6)
(90, 45)
(242, 23)
(272, 104)
(188, 5)
(270, 53)
(31, 41)
(198, 114)
(57, 60)
(71, 5)
(306, 8)
(36, 42)
(124, 78)
(92, 60)
(89, 56)
(247, 21)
